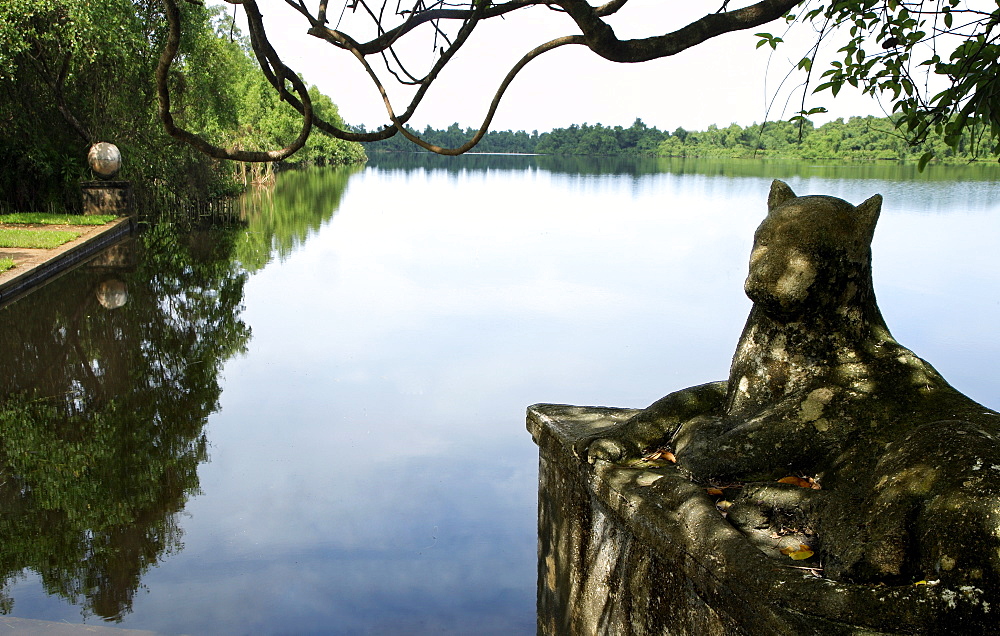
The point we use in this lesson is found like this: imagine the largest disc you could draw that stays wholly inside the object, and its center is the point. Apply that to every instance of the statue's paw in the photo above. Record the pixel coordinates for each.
(951, 537)
(931, 512)
(698, 447)
(606, 448)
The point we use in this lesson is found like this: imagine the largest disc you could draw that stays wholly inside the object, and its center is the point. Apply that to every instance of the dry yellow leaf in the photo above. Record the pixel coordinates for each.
(800, 553)
(795, 481)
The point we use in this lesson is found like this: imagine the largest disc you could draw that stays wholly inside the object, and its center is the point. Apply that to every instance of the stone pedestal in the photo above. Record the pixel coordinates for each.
(645, 551)
(106, 197)
(119, 257)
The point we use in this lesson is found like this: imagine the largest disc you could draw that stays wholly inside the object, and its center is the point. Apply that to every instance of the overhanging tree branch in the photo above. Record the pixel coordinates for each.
(596, 34)
(548, 46)
(163, 97)
(601, 38)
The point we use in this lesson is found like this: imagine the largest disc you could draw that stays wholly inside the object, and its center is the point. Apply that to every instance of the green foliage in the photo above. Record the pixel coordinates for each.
(938, 62)
(495, 141)
(244, 110)
(76, 71)
(638, 139)
(6, 263)
(86, 52)
(857, 139)
(35, 239)
(600, 140)
(769, 40)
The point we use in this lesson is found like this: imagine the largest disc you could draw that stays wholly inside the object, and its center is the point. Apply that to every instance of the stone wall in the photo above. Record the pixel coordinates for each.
(645, 551)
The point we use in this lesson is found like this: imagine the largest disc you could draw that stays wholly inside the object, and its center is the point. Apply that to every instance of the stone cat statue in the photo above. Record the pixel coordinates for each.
(909, 467)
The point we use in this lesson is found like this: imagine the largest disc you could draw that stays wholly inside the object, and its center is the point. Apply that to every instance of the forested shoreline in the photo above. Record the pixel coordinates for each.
(856, 139)
(75, 72)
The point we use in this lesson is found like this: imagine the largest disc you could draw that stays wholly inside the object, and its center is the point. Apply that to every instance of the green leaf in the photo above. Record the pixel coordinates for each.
(924, 158)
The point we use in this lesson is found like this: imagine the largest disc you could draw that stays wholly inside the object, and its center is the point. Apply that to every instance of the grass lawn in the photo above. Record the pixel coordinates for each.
(5, 264)
(45, 218)
(35, 239)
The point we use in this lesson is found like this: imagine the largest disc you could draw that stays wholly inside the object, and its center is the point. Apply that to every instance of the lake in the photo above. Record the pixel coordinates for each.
(313, 421)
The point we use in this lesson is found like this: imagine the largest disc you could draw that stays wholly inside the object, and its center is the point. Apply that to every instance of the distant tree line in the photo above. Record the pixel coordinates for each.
(575, 140)
(858, 138)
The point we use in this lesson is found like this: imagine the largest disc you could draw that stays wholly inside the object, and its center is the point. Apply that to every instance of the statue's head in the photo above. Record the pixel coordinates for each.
(809, 251)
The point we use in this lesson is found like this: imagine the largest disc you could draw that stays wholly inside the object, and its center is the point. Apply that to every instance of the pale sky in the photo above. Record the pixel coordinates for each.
(722, 81)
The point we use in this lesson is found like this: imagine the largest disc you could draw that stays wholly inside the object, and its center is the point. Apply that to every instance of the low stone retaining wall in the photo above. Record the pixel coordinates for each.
(47, 264)
(645, 551)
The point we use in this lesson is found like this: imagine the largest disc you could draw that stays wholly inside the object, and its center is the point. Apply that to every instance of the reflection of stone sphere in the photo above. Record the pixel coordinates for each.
(112, 293)
(104, 159)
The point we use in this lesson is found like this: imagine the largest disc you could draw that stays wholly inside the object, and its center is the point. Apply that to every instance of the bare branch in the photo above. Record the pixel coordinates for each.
(264, 51)
(548, 46)
(57, 93)
(387, 38)
(56, 84)
(610, 8)
(597, 36)
(344, 41)
(601, 38)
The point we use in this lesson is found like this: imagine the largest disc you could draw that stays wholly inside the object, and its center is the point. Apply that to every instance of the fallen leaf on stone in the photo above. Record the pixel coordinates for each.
(798, 554)
(714, 491)
(661, 453)
(798, 481)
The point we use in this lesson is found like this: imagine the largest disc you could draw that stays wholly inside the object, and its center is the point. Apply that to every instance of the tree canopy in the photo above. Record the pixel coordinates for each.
(935, 62)
(74, 72)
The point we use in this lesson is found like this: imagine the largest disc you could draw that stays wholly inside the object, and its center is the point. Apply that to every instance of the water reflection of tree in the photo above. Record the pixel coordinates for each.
(281, 218)
(102, 415)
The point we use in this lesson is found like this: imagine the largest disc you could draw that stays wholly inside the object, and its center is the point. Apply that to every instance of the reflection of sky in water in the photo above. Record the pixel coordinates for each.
(370, 469)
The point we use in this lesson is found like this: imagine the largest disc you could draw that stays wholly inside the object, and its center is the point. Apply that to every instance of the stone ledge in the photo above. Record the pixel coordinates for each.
(644, 551)
(36, 267)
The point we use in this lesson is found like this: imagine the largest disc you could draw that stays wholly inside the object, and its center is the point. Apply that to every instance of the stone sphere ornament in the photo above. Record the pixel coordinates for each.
(112, 293)
(105, 160)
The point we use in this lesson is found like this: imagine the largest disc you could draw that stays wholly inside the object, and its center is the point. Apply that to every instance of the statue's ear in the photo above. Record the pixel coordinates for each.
(780, 193)
(868, 216)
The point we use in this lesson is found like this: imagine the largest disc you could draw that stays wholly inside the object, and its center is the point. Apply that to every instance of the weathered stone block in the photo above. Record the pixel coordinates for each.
(106, 197)
(628, 551)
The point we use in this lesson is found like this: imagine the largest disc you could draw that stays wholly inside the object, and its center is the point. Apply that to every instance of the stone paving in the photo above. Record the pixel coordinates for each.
(32, 267)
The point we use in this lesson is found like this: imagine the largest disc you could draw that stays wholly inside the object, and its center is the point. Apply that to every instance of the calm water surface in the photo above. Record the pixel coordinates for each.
(314, 423)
